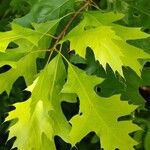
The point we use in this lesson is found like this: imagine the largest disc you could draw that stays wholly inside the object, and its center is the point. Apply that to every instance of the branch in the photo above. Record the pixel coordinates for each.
(60, 36)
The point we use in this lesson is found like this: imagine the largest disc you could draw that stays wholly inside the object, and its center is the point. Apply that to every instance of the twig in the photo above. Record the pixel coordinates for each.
(60, 36)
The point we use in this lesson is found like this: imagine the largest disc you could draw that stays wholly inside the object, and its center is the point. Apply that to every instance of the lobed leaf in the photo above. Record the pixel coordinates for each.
(107, 40)
(28, 52)
(98, 114)
(40, 118)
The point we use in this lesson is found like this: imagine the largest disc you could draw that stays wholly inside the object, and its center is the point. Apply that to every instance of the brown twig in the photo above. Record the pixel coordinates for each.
(60, 36)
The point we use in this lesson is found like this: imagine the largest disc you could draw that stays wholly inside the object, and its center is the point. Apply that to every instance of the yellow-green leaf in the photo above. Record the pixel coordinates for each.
(107, 40)
(98, 114)
(40, 118)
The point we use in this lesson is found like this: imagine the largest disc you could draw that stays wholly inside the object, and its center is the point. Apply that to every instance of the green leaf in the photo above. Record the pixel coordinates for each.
(137, 12)
(25, 34)
(98, 114)
(28, 51)
(45, 10)
(133, 82)
(40, 118)
(142, 118)
(111, 80)
(17, 32)
(109, 46)
(21, 7)
(145, 76)
(147, 137)
(131, 92)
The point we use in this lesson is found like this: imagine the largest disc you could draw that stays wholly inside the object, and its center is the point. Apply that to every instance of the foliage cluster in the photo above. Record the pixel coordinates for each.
(74, 74)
